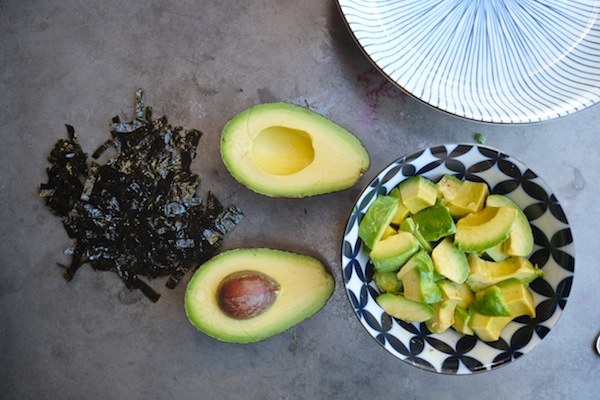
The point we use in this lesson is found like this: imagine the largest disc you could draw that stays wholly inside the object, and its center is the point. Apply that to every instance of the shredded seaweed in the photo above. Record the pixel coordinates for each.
(138, 214)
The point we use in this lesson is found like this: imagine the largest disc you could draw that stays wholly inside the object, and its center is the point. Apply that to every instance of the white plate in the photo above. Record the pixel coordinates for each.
(450, 352)
(511, 61)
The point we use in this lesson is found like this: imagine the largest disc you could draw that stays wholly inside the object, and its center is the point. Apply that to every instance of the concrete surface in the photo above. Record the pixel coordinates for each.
(79, 62)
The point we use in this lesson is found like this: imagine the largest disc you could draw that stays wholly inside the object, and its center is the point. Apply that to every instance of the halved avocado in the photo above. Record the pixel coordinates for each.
(284, 150)
(304, 286)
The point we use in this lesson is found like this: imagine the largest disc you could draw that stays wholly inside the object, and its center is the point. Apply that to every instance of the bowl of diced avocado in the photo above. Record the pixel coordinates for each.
(458, 258)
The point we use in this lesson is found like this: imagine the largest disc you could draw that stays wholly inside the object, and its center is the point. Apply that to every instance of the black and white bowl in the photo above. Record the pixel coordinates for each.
(451, 352)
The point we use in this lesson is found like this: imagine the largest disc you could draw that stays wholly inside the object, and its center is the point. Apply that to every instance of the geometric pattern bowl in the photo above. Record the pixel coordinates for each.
(450, 352)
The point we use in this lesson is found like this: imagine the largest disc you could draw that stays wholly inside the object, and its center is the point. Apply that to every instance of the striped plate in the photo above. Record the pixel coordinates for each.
(505, 62)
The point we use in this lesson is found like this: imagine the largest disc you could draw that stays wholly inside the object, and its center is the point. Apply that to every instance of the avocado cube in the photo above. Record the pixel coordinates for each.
(444, 310)
(484, 274)
(519, 301)
(418, 280)
(417, 193)
(450, 262)
(398, 306)
(402, 212)
(409, 225)
(485, 229)
(470, 198)
(461, 321)
(377, 218)
(435, 222)
(491, 303)
(520, 240)
(448, 187)
(389, 254)
(387, 282)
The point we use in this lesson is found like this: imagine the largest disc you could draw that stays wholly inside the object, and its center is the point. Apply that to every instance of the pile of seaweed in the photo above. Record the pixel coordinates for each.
(138, 214)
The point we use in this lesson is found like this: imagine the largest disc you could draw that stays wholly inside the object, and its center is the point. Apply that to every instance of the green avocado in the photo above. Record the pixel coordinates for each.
(485, 229)
(490, 302)
(398, 306)
(284, 150)
(470, 198)
(417, 193)
(445, 309)
(519, 301)
(484, 274)
(418, 279)
(520, 240)
(450, 262)
(377, 219)
(448, 187)
(435, 222)
(389, 254)
(302, 284)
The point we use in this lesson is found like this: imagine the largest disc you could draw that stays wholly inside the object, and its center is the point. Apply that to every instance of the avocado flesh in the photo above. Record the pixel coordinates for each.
(470, 198)
(519, 301)
(450, 262)
(445, 309)
(417, 193)
(520, 240)
(434, 222)
(284, 150)
(304, 288)
(389, 254)
(485, 229)
(484, 274)
(377, 219)
(448, 187)
(398, 306)
(418, 280)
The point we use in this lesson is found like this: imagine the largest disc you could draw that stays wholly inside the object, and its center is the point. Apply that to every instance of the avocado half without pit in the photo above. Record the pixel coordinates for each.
(247, 295)
(284, 150)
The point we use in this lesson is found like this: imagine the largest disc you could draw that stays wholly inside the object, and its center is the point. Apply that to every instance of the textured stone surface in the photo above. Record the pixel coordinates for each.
(79, 62)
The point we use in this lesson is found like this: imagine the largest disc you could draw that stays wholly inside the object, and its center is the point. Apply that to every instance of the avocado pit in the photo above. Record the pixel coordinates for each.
(246, 294)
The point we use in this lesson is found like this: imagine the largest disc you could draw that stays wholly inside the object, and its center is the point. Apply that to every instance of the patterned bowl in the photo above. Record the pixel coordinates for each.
(450, 352)
(507, 62)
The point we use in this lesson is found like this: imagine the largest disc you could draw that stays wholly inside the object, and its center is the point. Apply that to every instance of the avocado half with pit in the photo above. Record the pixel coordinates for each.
(284, 150)
(247, 295)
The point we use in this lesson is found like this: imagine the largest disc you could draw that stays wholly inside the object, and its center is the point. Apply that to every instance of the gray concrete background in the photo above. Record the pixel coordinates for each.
(79, 62)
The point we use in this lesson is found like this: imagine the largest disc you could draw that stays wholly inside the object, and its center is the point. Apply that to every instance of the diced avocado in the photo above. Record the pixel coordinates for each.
(434, 222)
(377, 219)
(449, 261)
(444, 310)
(448, 187)
(490, 302)
(417, 279)
(520, 241)
(466, 295)
(387, 282)
(484, 274)
(461, 321)
(398, 306)
(417, 193)
(286, 150)
(402, 212)
(497, 253)
(469, 199)
(409, 225)
(388, 232)
(485, 229)
(519, 301)
(389, 254)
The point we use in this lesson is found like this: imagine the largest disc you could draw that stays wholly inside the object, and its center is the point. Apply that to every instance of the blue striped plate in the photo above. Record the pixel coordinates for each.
(505, 62)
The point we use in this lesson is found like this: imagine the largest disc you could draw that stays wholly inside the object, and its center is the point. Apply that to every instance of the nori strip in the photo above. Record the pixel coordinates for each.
(138, 214)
